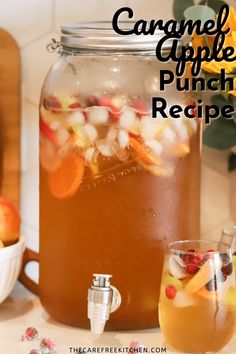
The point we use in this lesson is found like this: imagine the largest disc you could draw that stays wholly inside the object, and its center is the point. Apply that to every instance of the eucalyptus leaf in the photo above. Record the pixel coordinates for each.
(179, 6)
(214, 4)
(232, 162)
(232, 100)
(219, 100)
(221, 134)
(199, 12)
(226, 97)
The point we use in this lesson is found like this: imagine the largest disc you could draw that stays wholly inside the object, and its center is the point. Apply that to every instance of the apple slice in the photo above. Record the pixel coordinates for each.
(182, 299)
(201, 278)
(169, 280)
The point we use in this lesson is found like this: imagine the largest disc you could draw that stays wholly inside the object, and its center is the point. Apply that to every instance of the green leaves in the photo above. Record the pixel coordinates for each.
(199, 12)
(214, 4)
(223, 99)
(221, 134)
(232, 162)
(179, 6)
(219, 101)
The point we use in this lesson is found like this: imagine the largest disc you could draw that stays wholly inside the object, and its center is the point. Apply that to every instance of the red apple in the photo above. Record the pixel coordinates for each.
(9, 222)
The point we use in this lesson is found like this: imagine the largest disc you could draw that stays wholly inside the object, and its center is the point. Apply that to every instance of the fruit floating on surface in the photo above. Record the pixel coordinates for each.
(201, 278)
(110, 127)
(204, 274)
(66, 179)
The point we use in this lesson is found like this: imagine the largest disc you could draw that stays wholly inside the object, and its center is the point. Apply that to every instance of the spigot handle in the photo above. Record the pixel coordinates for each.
(102, 280)
(116, 299)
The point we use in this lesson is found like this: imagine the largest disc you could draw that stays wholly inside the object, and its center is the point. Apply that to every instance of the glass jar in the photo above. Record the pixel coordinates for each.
(116, 185)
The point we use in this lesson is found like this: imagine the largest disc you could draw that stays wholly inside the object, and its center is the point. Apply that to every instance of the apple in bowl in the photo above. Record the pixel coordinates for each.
(12, 246)
(9, 223)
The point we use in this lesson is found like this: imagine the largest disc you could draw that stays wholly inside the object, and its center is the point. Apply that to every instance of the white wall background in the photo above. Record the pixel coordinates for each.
(33, 23)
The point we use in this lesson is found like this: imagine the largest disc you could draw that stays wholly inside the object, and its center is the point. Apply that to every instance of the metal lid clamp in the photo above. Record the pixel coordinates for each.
(103, 299)
(54, 46)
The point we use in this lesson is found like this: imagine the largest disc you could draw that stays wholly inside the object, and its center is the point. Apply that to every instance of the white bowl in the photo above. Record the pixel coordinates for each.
(10, 265)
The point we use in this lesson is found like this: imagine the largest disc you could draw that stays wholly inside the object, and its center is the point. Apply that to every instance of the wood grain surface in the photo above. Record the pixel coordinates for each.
(9, 117)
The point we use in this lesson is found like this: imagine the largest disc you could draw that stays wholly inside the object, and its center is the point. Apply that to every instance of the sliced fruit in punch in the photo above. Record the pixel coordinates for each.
(66, 179)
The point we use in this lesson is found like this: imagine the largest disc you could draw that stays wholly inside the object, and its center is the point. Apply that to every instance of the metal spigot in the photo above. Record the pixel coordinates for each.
(103, 299)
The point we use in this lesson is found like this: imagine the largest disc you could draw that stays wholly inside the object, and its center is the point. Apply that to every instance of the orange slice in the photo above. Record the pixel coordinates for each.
(201, 278)
(143, 153)
(66, 179)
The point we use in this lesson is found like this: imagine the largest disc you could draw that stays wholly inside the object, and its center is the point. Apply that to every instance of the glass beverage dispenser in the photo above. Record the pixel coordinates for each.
(116, 185)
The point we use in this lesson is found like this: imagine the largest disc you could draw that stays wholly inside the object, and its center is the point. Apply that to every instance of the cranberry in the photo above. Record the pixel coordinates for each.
(35, 351)
(115, 114)
(134, 345)
(187, 258)
(192, 268)
(170, 292)
(31, 333)
(105, 101)
(227, 269)
(209, 251)
(74, 105)
(48, 343)
(51, 102)
(141, 108)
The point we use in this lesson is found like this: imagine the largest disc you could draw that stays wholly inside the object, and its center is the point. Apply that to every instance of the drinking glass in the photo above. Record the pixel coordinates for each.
(197, 310)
